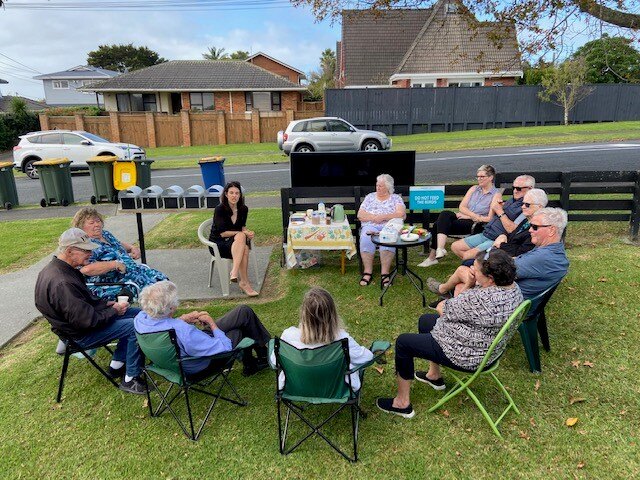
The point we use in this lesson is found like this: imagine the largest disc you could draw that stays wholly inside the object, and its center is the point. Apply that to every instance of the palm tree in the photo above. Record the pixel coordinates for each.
(215, 54)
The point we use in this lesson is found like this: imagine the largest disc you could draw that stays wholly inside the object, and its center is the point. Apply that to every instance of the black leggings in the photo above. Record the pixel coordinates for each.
(419, 345)
(449, 224)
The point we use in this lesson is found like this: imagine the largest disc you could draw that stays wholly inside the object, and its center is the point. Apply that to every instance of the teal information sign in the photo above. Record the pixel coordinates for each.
(426, 197)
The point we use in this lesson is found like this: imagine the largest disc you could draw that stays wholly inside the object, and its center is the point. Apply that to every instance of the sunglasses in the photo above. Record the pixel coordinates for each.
(519, 189)
(525, 204)
(536, 227)
(486, 255)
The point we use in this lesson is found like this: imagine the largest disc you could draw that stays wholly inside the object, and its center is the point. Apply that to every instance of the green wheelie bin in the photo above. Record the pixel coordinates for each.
(8, 191)
(55, 178)
(143, 172)
(101, 171)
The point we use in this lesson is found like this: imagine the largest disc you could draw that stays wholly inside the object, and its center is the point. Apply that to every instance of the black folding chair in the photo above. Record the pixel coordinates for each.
(72, 347)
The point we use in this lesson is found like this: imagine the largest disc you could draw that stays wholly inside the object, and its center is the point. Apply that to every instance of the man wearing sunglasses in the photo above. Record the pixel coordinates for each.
(74, 312)
(506, 216)
(547, 263)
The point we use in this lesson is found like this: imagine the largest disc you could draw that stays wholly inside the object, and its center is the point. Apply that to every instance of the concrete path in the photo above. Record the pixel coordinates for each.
(188, 268)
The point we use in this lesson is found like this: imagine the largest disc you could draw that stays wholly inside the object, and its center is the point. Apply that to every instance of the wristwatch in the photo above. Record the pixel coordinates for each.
(501, 215)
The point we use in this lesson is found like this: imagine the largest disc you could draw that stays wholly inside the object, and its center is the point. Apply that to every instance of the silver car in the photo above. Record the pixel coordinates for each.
(78, 146)
(329, 134)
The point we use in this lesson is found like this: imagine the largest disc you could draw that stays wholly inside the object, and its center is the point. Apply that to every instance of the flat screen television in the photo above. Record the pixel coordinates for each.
(344, 169)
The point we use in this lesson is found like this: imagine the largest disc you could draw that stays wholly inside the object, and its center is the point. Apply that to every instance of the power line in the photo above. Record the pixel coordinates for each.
(19, 77)
(156, 5)
(22, 64)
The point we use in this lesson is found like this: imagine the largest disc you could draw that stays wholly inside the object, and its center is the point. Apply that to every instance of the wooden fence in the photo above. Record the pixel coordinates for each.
(188, 128)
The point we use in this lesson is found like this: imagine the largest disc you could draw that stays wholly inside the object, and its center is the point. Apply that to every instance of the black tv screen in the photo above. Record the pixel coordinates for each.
(344, 169)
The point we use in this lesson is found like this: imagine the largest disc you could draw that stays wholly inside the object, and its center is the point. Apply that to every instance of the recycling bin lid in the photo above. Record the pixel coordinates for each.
(52, 161)
(212, 159)
(6, 164)
(173, 191)
(103, 159)
(152, 191)
(197, 190)
(133, 191)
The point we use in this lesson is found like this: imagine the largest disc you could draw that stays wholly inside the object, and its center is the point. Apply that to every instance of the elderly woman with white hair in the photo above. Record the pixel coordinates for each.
(159, 303)
(375, 211)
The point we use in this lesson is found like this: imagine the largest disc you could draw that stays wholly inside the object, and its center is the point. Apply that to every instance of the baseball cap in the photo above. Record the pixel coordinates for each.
(74, 237)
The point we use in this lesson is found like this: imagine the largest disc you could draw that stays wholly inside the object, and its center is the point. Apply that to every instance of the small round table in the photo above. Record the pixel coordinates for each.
(401, 263)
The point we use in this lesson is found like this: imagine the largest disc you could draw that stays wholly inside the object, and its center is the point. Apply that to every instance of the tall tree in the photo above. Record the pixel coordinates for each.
(323, 77)
(215, 54)
(123, 58)
(565, 85)
(239, 55)
(610, 60)
(542, 24)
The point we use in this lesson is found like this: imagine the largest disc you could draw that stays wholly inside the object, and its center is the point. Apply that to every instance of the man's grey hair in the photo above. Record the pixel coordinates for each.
(388, 181)
(528, 180)
(554, 216)
(158, 300)
(538, 196)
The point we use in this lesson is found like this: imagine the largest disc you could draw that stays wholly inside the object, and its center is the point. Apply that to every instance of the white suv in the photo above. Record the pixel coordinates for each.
(329, 134)
(77, 146)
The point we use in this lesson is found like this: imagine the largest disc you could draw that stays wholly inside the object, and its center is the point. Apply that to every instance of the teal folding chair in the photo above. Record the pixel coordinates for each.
(316, 376)
(162, 349)
(464, 379)
(536, 324)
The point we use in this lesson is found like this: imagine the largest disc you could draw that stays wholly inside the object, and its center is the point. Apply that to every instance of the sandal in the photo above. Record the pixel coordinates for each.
(385, 280)
(366, 281)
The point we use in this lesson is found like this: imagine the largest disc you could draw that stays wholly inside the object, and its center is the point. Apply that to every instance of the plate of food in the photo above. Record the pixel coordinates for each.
(409, 237)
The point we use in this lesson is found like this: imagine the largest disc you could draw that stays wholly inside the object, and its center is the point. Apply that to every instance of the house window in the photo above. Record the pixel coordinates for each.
(248, 101)
(452, 8)
(201, 101)
(60, 84)
(422, 85)
(465, 84)
(262, 101)
(136, 102)
(276, 101)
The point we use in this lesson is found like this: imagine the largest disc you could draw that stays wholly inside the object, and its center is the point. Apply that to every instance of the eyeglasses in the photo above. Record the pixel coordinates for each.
(535, 227)
(519, 189)
(525, 204)
(482, 176)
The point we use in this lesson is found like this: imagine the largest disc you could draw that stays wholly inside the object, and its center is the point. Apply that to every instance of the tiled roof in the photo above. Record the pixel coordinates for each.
(452, 43)
(374, 43)
(197, 75)
(83, 71)
(5, 103)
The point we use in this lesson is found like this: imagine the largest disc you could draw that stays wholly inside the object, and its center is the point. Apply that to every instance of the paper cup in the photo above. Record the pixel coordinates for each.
(123, 299)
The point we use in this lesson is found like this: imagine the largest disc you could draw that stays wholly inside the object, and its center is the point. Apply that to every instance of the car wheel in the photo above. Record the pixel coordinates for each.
(371, 146)
(304, 148)
(31, 170)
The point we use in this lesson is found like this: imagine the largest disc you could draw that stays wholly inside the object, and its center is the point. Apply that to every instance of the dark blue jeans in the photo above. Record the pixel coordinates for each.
(121, 328)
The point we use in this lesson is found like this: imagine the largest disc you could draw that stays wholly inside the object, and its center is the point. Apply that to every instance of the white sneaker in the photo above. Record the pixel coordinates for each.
(440, 252)
(427, 263)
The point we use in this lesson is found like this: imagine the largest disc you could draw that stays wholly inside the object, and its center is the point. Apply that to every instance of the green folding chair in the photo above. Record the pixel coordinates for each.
(464, 379)
(316, 376)
(536, 324)
(161, 348)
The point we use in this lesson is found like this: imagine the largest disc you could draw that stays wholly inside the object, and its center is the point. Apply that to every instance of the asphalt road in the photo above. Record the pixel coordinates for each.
(430, 168)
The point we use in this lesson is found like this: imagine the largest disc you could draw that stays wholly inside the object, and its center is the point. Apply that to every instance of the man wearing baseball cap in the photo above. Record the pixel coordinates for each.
(74, 312)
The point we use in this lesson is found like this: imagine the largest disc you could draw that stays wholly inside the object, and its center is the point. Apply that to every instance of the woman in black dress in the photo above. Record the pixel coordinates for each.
(230, 233)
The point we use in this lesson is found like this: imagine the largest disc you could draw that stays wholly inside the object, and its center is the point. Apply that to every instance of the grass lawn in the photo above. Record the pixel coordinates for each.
(594, 323)
(249, 153)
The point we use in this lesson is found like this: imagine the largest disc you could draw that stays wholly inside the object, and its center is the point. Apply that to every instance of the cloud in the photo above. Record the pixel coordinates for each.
(50, 41)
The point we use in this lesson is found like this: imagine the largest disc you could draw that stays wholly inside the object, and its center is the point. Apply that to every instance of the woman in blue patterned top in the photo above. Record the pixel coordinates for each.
(113, 261)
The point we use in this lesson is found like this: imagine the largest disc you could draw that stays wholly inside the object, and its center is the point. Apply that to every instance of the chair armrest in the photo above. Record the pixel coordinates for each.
(270, 352)
(379, 348)
(245, 343)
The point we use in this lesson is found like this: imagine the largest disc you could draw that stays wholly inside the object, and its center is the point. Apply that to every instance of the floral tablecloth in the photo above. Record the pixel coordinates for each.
(306, 236)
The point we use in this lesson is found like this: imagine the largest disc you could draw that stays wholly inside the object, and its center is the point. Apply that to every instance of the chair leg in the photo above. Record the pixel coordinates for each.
(213, 260)
(65, 365)
(529, 336)
(484, 412)
(186, 398)
(254, 262)
(542, 329)
(223, 275)
(355, 412)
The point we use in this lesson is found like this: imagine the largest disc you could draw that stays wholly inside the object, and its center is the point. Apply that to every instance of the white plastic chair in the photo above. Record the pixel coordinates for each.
(222, 265)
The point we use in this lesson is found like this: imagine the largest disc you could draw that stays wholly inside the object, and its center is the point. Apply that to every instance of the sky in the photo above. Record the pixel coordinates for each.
(46, 41)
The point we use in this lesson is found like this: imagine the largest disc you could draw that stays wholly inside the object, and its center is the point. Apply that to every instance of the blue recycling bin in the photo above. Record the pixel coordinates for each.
(212, 171)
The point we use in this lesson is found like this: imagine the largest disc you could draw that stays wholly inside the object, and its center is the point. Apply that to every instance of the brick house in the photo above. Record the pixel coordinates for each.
(276, 66)
(206, 85)
(435, 47)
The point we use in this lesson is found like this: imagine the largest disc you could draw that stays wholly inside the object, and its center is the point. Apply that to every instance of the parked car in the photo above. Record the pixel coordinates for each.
(77, 146)
(329, 134)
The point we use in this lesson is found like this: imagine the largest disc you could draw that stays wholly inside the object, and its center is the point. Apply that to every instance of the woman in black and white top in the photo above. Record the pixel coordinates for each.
(461, 334)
